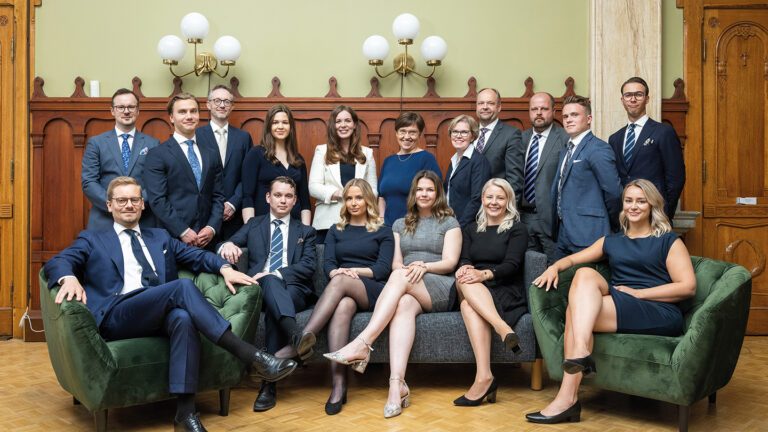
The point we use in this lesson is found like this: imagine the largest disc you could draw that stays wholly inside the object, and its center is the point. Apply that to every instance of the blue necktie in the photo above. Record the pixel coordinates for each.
(562, 174)
(194, 162)
(148, 276)
(529, 189)
(629, 146)
(126, 151)
(480, 145)
(276, 247)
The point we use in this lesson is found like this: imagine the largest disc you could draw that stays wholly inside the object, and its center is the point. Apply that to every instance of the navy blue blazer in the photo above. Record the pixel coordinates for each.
(96, 259)
(658, 157)
(238, 144)
(591, 193)
(102, 162)
(172, 190)
(467, 186)
(302, 256)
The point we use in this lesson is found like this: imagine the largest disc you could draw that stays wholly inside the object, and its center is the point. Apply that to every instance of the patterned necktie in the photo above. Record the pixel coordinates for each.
(148, 276)
(529, 188)
(221, 140)
(629, 146)
(276, 247)
(562, 174)
(480, 145)
(126, 152)
(194, 162)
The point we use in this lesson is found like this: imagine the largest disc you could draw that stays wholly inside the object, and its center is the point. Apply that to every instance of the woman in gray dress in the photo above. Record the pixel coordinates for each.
(427, 248)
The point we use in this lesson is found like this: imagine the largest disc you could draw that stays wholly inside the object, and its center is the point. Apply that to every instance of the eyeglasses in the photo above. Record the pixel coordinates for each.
(403, 133)
(636, 95)
(122, 202)
(124, 108)
(460, 133)
(221, 102)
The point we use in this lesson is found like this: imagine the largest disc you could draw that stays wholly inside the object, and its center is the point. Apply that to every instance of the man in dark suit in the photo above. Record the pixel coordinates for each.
(118, 152)
(647, 149)
(467, 172)
(544, 142)
(127, 278)
(231, 144)
(499, 142)
(282, 258)
(184, 179)
(586, 190)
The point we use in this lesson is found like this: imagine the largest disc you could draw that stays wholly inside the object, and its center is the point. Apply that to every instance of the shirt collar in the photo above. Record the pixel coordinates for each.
(216, 127)
(286, 219)
(640, 122)
(120, 228)
(467, 154)
(580, 137)
(544, 133)
(490, 126)
(181, 138)
(132, 133)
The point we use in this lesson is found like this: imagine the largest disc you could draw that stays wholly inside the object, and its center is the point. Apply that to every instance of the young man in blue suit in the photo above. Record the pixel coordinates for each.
(184, 179)
(282, 258)
(232, 144)
(586, 190)
(127, 278)
(118, 152)
(647, 149)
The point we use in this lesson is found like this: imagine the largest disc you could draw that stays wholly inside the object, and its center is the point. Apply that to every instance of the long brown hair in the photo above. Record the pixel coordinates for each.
(268, 141)
(372, 220)
(659, 220)
(334, 153)
(440, 208)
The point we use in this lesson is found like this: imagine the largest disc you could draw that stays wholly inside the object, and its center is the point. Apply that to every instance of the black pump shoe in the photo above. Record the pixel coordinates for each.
(512, 342)
(490, 394)
(585, 365)
(333, 408)
(572, 414)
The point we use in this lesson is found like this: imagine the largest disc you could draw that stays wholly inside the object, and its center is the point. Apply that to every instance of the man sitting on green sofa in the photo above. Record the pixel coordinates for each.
(130, 284)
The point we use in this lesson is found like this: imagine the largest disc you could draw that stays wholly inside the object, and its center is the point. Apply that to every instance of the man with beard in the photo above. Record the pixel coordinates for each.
(544, 141)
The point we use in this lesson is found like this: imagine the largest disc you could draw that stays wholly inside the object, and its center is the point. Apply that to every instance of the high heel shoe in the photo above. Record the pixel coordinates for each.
(358, 365)
(512, 342)
(392, 410)
(585, 365)
(333, 408)
(490, 394)
(572, 414)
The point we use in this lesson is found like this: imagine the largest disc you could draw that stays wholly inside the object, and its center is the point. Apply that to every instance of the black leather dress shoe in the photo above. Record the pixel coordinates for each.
(303, 344)
(189, 423)
(585, 365)
(267, 397)
(572, 414)
(271, 368)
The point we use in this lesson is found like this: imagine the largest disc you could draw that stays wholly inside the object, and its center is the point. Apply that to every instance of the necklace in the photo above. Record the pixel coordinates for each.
(406, 158)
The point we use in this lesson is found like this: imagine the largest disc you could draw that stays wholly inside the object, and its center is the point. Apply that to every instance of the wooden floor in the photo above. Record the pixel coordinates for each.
(32, 400)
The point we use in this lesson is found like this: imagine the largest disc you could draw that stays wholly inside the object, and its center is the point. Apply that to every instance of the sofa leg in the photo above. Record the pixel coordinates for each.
(224, 402)
(75, 401)
(537, 371)
(100, 420)
(683, 412)
(713, 398)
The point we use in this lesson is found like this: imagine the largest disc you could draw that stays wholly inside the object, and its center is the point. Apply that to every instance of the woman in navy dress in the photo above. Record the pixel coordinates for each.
(398, 170)
(358, 260)
(278, 155)
(651, 271)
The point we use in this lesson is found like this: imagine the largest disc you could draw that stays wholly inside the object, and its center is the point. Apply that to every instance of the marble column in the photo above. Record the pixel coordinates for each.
(625, 38)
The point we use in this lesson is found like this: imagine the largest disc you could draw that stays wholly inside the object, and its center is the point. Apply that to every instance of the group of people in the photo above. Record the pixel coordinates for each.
(408, 241)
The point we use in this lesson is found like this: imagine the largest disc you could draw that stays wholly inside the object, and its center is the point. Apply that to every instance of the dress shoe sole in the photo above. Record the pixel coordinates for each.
(280, 375)
(305, 344)
(263, 408)
(572, 367)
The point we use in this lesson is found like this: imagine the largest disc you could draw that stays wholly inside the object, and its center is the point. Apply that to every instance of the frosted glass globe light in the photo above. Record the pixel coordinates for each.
(434, 48)
(171, 48)
(227, 49)
(375, 48)
(194, 26)
(406, 26)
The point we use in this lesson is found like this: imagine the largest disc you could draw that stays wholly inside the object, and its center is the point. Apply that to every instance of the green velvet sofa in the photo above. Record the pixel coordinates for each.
(103, 375)
(681, 370)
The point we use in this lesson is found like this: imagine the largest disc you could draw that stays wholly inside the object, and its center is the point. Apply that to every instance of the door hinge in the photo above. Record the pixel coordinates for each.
(12, 171)
(703, 172)
(13, 48)
(703, 50)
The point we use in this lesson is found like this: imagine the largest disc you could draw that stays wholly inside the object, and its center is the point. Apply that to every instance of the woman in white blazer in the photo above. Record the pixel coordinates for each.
(334, 164)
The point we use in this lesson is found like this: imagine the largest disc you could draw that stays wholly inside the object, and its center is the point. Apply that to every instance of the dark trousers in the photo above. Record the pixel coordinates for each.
(280, 300)
(176, 309)
(539, 235)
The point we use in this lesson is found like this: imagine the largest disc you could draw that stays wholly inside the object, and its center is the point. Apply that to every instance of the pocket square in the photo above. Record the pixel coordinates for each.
(301, 240)
(165, 251)
(647, 142)
(143, 151)
(577, 161)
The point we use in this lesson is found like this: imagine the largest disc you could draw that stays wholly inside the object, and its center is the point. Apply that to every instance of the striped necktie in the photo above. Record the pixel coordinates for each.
(276, 247)
(629, 146)
(480, 145)
(529, 188)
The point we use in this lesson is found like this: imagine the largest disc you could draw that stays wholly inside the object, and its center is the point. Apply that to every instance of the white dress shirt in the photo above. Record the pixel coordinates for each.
(284, 228)
(131, 134)
(131, 267)
(488, 133)
(180, 139)
(222, 142)
(575, 142)
(542, 142)
(638, 128)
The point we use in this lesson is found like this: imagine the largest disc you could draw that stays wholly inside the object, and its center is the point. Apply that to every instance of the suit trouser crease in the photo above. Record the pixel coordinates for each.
(279, 300)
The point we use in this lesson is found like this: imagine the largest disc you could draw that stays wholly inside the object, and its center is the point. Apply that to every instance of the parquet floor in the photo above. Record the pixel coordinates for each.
(32, 400)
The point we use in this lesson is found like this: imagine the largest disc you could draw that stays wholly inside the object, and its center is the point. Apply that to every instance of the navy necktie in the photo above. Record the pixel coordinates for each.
(276, 247)
(148, 276)
(629, 146)
(529, 188)
(194, 162)
(126, 152)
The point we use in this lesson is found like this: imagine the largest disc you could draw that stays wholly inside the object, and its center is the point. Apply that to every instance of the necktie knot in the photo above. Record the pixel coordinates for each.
(538, 136)
(277, 222)
(190, 142)
(632, 126)
(221, 132)
(125, 136)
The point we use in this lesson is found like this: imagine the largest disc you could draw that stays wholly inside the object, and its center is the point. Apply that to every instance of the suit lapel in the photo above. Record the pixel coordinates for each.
(293, 238)
(155, 248)
(584, 142)
(230, 140)
(359, 169)
(113, 248)
(336, 172)
(138, 146)
(114, 147)
(494, 133)
(553, 140)
(181, 157)
(266, 239)
(207, 163)
(463, 162)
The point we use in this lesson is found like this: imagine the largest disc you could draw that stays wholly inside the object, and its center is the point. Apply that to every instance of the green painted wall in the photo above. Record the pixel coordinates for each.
(671, 46)
(305, 42)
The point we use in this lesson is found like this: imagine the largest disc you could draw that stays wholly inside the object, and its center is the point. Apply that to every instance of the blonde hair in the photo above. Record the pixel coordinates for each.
(659, 221)
(372, 221)
(440, 208)
(511, 215)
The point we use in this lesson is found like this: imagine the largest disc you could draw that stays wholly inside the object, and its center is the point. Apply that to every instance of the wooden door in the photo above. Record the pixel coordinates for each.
(6, 183)
(735, 146)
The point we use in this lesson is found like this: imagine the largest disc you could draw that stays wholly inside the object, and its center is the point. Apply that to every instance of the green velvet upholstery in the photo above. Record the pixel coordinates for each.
(681, 370)
(103, 375)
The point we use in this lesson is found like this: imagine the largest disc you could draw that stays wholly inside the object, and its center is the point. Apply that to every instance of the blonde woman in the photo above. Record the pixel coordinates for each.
(489, 282)
(651, 271)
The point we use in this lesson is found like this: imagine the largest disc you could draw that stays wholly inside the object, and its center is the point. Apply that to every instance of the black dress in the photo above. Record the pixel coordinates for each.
(258, 172)
(503, 254)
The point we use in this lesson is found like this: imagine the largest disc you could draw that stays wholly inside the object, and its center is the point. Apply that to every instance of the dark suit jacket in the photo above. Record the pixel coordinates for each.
(658, 157)
(301, 250)
(591, 193)
(505, 152)
(102, 162)
(557, 140)
(173, 194)
(96, 259)
(467, 186)
(238, 144)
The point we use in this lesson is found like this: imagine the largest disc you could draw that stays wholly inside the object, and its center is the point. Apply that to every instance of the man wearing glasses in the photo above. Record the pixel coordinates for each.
(232, 144)
(648, 149)
(118, 152)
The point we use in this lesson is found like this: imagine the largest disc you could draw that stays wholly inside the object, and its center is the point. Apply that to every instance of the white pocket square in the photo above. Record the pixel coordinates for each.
(164, 251)
(577, 161)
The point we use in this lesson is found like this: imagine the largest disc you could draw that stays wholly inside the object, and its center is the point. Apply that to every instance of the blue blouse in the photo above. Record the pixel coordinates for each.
(395, 179)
